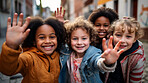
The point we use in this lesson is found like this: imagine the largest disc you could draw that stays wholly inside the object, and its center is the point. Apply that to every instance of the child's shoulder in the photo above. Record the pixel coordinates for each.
(94, 49)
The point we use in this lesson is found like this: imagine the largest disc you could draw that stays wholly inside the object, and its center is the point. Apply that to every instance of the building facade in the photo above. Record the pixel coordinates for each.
(134, 8)
(9, 7)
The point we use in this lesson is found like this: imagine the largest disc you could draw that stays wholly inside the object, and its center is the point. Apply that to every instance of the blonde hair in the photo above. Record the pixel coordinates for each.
(79, 22)
(131, 24)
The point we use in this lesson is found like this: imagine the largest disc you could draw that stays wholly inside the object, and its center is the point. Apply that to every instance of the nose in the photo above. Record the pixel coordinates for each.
(101, 27)
(123, 39)
(47, 40)
(79, 41)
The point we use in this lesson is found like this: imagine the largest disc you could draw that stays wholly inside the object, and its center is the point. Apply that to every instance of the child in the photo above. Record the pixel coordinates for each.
(83, 63)
(130, 64)
(102, 18)
(40, 60)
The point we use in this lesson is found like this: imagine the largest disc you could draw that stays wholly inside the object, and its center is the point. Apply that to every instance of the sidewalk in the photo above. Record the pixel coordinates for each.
(145, 74)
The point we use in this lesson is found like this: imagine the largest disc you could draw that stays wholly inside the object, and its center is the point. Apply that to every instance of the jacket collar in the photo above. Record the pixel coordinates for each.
(90, 52)
(39, 53)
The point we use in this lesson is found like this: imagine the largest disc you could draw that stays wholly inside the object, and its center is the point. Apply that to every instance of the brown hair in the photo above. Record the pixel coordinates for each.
(79, 22)
(129, 22)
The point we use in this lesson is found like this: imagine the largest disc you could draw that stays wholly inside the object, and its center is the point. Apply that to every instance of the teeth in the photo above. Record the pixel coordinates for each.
(101, 33)
(47, 47)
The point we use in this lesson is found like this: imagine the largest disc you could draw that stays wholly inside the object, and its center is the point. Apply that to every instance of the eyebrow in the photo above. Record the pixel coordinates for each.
(49, 34)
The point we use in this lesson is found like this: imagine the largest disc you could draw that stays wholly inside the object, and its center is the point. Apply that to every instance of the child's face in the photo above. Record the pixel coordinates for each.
(127, 38)
(46, 40)
(102, 24)
(80, 40)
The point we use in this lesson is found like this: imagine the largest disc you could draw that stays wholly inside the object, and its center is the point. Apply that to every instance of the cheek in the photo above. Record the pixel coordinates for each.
(115, 41)
(73, 43)
(106, 28)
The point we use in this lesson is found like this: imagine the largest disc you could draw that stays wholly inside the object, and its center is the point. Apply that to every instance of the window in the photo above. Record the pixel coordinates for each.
(4, 6)
(116, 5)
(134, 8)
(17, 7)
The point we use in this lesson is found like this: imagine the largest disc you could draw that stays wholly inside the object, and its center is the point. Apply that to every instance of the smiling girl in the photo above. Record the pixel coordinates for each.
(39, 62)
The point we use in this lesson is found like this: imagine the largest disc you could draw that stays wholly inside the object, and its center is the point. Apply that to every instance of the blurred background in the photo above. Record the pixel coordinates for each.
(74, 8)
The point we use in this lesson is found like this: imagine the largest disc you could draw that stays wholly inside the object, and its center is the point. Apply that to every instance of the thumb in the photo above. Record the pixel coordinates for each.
(25, 34)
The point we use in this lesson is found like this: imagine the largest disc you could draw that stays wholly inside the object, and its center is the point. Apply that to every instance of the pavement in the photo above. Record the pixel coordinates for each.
(17, 78)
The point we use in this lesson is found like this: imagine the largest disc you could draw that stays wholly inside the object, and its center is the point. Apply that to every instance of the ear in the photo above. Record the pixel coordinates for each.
(135, 40)
(34, 43)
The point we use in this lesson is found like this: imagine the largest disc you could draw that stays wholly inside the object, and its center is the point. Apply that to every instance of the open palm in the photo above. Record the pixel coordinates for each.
(16, 33)
(111, 54)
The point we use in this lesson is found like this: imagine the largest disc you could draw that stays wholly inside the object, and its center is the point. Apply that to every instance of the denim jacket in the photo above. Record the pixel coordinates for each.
(89, 70)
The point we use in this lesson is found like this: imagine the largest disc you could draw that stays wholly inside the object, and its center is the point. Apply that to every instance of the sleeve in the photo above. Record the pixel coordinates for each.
(136, 73)
(101, 65)
(9, 60)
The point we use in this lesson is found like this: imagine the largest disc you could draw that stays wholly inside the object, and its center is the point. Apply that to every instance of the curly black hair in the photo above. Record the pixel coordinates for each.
(36, 22)
(106, 12)
(60, 30)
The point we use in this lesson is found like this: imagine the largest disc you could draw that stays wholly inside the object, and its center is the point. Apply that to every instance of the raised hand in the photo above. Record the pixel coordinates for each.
(16, 33)
(111, 54)
(60, 15)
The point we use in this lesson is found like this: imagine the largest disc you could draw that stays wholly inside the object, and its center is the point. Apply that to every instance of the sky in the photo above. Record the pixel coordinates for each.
(52, 4)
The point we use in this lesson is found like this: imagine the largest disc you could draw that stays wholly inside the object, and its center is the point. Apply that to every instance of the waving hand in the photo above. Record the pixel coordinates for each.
(16, 33)
(111, 54)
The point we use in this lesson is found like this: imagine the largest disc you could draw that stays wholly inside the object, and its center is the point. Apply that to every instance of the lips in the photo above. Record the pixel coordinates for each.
(48, 47)
(102, 33)
(79, 48)
(122, 46)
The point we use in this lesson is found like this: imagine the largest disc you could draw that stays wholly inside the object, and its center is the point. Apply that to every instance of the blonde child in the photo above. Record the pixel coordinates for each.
(83, 63)
(131, 62)
(41, 41)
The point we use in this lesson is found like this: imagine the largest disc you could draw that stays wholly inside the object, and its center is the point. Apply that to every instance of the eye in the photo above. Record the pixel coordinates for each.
(41, 37)
(98, 25)
(118, 35)
(84, 38)
(74, 38)
(106, 25)
(52, 37)
(128, 36)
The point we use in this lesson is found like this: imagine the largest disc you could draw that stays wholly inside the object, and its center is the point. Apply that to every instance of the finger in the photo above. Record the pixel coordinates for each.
(20, 20)
(25, 34)
(15, 19)
(105, 53)
(57, 11)
(104, 44)
(26, 23)
(120, 51)
(9, 23)
(110, 45)
(117, 45)
(55, 14)
(60, 10)
(64, 13)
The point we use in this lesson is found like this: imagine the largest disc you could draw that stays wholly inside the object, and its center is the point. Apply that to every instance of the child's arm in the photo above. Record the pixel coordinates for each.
(16, 33)
(60, 15)
(107, 62)
(14, 37)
